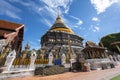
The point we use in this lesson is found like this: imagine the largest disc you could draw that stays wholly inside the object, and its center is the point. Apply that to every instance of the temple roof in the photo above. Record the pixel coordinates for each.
(8, 27)
(3, 32)
(60, 26)
(91, 44)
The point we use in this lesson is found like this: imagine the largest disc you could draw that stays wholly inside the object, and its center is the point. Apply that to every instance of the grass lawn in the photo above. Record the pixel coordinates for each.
(116, 78)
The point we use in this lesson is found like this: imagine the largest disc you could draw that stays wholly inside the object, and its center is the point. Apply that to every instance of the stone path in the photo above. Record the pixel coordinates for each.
(93, 75)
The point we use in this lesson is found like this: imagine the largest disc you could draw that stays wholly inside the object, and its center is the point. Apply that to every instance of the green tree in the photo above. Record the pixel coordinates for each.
(108, 39)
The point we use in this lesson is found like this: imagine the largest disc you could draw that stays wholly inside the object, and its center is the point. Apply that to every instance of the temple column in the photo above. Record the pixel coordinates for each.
(100, 54)
(93, 55)
(97, 54)
(87, 55)
(90, 54)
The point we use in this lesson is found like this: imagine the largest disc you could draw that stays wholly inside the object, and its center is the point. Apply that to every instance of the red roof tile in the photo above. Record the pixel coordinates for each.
(9, 25)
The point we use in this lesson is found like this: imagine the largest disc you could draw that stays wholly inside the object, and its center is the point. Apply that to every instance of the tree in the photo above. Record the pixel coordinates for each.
(108, 39)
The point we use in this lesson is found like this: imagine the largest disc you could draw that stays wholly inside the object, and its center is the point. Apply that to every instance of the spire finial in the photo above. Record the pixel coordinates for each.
(58, 12)
(27, 46)
(58, 19)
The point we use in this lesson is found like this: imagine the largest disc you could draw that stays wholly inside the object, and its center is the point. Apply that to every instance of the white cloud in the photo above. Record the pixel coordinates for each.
(76, 26)
(51, 7)
(94, 28)
(54, 4)
(73, 22)
(102, 5)
(47, 9)
(39, 40)
(95, 19)
(9, 10)
(79, 22)
(47, 22)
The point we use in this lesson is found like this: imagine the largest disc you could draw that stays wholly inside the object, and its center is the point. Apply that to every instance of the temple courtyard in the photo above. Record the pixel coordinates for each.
(93, 75)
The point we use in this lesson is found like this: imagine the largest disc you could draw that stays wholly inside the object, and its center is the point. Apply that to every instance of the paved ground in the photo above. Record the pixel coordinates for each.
(93, 75)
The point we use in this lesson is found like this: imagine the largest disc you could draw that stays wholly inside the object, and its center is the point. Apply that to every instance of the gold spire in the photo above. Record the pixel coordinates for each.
(27, 46)
(59, 25)
(58, 19)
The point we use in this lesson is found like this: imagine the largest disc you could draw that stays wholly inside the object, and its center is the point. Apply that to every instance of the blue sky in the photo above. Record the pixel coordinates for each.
(90, 19)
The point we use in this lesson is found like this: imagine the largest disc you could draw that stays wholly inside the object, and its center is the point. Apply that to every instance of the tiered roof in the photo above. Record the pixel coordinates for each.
(8, 27)
(91, 45)
(60, 26)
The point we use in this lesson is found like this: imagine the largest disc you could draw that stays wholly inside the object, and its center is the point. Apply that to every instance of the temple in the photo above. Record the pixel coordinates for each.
(92, 51)
(11, 37)
(11, 33)
(117, 44)
(60, 47)
(96, 56)
(60, 39)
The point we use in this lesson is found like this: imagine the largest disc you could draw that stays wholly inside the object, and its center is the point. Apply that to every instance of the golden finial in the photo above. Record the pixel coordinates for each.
(58, 13)
(27, 46)
(58, 19)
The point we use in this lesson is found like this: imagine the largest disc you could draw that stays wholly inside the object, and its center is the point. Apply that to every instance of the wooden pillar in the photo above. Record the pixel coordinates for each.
(97, 53)
(89, 54)
(100, 53)
(93, 55)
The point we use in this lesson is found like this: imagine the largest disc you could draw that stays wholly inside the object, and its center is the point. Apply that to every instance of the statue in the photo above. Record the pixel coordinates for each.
(118, 57)
(63, 59)
(110, 57)
(9, 61)
(50, 58)
(33, 57)
(87, 67)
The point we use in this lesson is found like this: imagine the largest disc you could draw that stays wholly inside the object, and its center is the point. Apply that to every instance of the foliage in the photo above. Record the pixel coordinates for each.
(50, 70)
(108, 39)
(116, 78)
